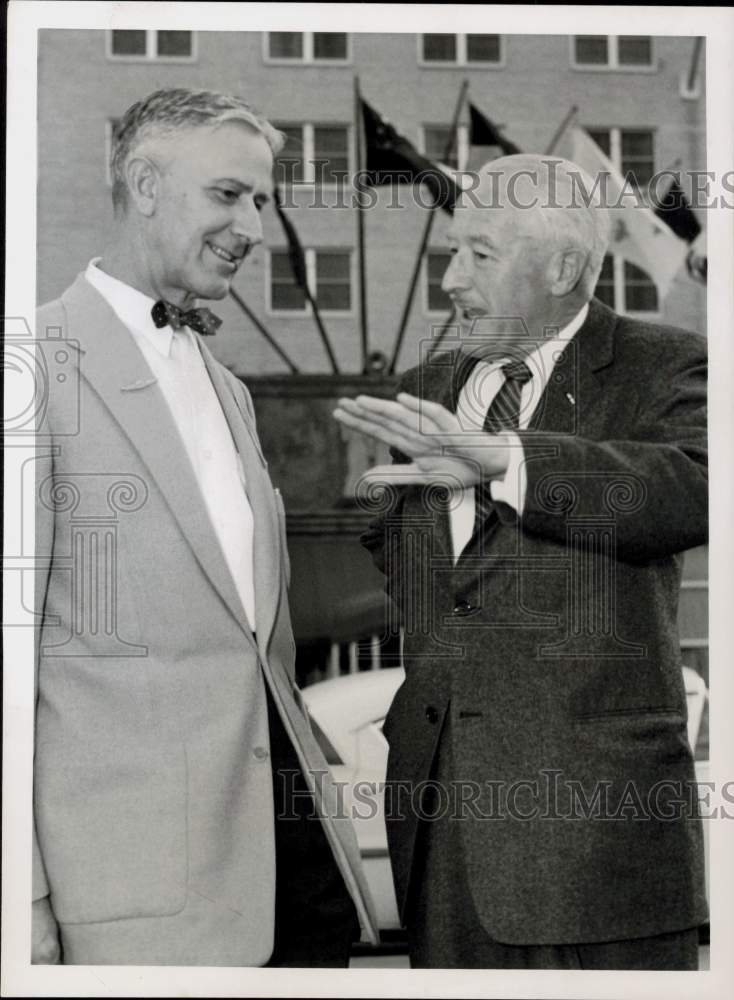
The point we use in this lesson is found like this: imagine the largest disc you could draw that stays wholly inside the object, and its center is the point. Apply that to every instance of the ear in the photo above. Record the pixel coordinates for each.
(565, 271)
(143, 183)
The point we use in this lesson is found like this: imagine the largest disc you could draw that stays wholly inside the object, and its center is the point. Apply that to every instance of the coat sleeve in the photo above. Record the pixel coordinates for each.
(653, 480)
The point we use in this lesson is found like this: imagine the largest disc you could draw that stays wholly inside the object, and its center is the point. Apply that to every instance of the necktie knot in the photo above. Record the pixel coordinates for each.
(517, 371)
(200, 320)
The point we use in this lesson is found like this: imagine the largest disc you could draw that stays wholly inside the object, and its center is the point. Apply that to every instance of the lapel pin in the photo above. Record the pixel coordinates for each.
(570, 398)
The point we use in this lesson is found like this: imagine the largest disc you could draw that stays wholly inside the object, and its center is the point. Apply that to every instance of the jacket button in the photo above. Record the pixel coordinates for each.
(260, 753)
(464, 608)
(431, 715)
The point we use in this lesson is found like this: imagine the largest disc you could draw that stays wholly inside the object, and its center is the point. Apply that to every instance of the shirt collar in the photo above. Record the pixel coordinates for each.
(131, 307)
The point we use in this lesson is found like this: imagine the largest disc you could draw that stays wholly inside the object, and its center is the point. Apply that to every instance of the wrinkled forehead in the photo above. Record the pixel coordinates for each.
(493, 224)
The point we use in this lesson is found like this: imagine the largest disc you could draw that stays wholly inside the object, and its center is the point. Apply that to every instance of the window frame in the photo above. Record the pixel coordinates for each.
(613, 65)
(461, 52)
(310, 254)
(427, 311)
(619, 288)
(462, 142)
(151, 48)
(309, 173)
(615, 145)
(307, 58)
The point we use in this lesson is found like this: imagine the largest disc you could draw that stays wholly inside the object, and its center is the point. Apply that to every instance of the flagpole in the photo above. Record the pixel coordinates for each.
(256, 323)
(441, 334)
(561, 129)
(450, 143)
(693, 71)
(360, 225)
(294, 246)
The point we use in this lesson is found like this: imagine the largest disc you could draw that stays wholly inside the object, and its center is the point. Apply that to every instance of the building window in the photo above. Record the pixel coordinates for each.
(435, 138)
(460, 50)
(307, 46)
(626, 288)
(313, 154)
(631, 150)
(174, 45)
(329, 275)
(612, 51)
(436, 300)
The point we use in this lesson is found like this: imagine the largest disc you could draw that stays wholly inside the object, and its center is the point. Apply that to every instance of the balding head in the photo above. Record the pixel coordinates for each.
(549, 200)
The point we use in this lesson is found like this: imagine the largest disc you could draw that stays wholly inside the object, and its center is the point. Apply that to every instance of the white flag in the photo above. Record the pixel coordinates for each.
(637, 234)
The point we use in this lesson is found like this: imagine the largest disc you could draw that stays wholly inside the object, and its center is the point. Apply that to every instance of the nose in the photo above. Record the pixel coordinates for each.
(246, 221)
(455, 277)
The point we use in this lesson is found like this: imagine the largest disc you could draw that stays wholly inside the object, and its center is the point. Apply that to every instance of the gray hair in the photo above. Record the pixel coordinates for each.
(165, 112)
(564, 198)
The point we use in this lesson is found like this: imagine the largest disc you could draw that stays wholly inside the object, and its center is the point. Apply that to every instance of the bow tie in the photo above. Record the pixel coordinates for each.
(203, 321)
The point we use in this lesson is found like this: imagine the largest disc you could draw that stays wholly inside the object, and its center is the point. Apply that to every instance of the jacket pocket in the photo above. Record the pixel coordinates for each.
(112, 828)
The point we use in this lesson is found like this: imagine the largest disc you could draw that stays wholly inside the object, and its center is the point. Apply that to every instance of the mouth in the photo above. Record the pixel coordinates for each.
(232, 259)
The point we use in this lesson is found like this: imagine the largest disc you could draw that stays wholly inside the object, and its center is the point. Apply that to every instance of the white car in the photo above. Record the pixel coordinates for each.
(347, 714)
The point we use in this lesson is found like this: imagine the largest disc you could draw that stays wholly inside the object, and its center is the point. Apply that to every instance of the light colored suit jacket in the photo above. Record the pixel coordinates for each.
(151, 715)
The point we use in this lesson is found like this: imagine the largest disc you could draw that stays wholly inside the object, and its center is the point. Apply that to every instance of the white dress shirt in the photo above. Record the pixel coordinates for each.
(475, 399)
(176, 362)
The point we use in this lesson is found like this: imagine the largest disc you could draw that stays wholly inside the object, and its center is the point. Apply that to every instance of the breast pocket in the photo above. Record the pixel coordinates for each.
(112, 828)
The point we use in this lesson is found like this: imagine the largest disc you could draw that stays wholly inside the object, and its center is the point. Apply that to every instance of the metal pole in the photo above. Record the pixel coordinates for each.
(561, 129)
(256, 323)
(358, 127)
(451, 141)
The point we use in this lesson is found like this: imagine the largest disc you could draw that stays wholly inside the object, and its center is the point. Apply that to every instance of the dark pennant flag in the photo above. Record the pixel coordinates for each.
(484, 132)
(675, 211)
(391, 158)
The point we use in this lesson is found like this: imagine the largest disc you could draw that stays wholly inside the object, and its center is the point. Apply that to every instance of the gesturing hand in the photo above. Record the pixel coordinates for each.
(442, 450)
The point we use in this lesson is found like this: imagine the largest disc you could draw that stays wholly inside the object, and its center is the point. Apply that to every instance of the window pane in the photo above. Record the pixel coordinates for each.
(602, 137)
(435, 138)
(174, 43)
(331, 144)
(436, 263)
(640, 293)
(333, 280)
(284, 293)
(332, 266)
(329, 45)
(289, 162)
(605, 286)
(638, 160)
(128, 43)
(635, 50)
(483, 48)
(286, 44)
(591, 50)
(439, 48)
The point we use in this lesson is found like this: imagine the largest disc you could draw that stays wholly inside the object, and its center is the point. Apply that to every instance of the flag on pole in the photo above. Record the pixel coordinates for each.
(675, 211)
(637, 234)
(390, 158)
(296, 253)
(697, 261)
(484, 133)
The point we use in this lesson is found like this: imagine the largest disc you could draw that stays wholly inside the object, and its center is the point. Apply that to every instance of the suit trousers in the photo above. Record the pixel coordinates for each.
(316, 922)
(444, 931)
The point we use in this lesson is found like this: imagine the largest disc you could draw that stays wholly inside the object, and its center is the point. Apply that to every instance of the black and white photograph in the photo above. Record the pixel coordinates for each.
(367, 594)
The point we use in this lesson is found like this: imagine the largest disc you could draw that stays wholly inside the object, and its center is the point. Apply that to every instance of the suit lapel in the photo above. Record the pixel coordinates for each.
(262, 500)
(117, 371)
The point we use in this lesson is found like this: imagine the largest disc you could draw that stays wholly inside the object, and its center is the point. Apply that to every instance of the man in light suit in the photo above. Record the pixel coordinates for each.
(543, 707)
(183, 811)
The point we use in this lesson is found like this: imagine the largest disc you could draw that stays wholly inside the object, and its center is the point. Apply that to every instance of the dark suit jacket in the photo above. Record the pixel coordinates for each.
(552, 647)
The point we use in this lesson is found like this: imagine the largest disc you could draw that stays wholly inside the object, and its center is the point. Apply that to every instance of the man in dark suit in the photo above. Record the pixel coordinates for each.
(541, 797)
